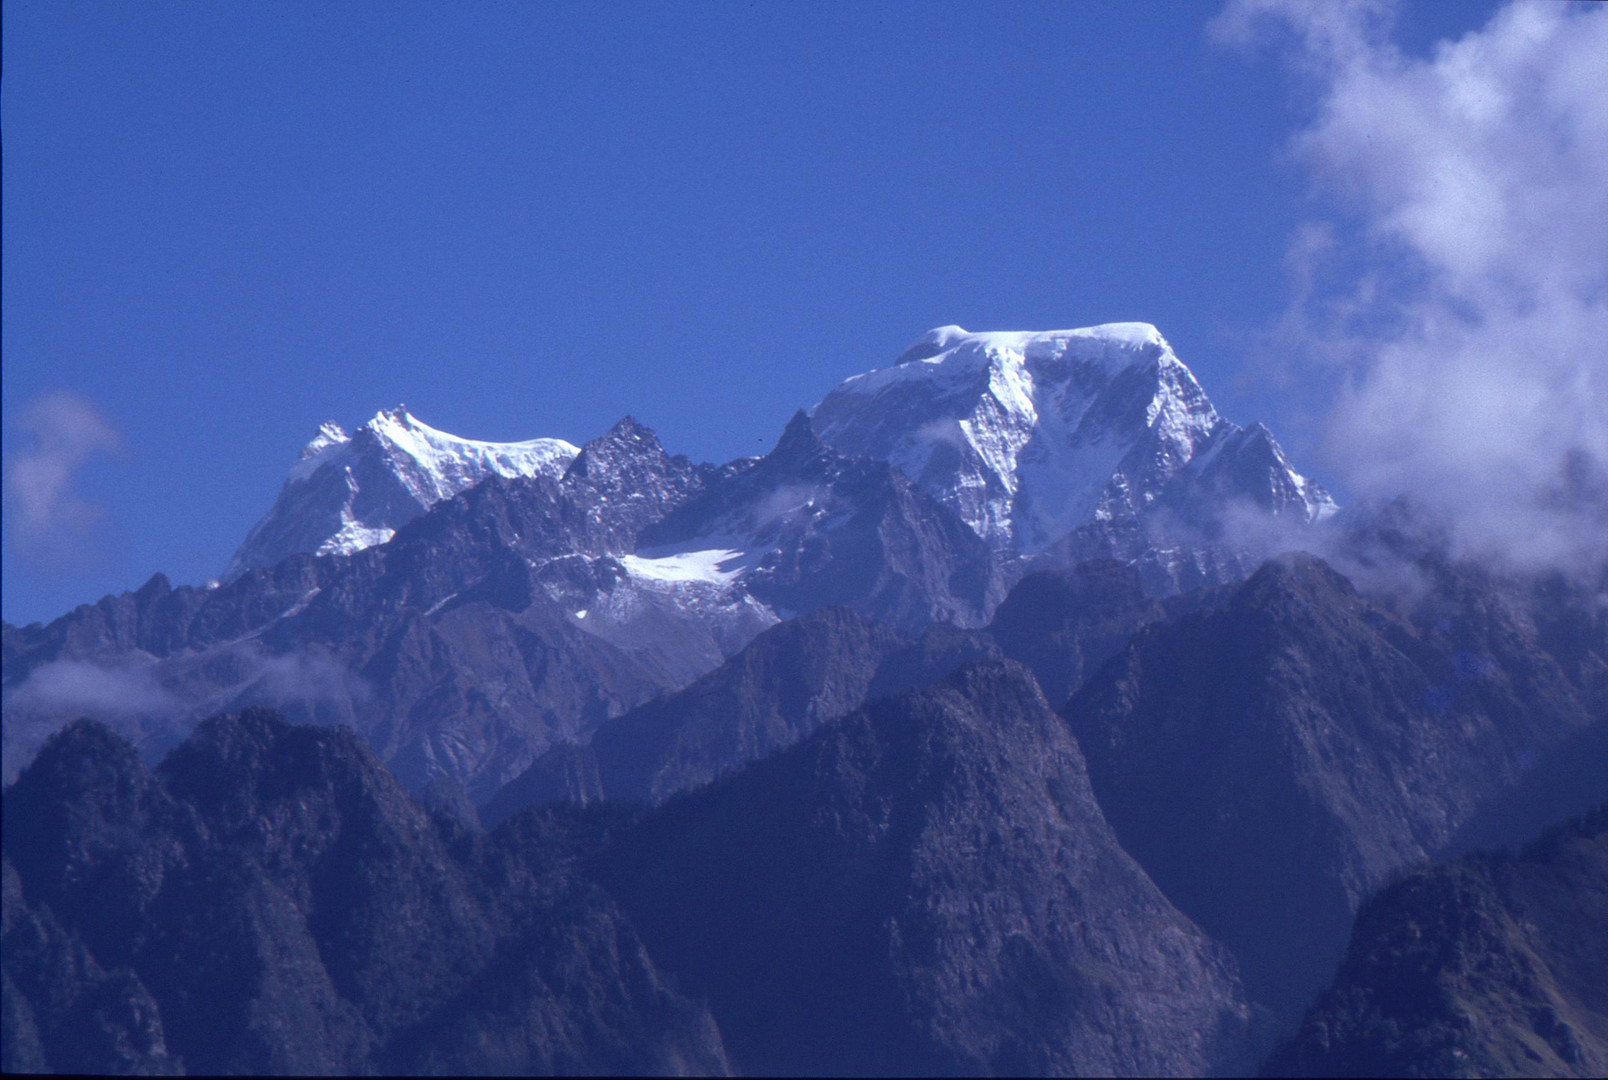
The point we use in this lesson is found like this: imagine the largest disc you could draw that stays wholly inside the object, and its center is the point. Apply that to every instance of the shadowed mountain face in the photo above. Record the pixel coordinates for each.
(787, 683)
(797, 676)
(1272, 762)
(1488, 965)
(272, 901)
(876, 873)
(926, 886)
(1064, 623)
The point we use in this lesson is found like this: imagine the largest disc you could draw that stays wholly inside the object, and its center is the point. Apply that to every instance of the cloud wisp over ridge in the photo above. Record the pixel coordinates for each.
(51, 522)
(1461, 293)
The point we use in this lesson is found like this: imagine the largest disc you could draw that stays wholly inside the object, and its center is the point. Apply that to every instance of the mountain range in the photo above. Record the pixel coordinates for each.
(466, 605)
(1001, 718)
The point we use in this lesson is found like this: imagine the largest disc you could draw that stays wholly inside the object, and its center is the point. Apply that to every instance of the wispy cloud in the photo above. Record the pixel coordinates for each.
(306, 675)
(51, 521)
(1462, 292)
(80, 688)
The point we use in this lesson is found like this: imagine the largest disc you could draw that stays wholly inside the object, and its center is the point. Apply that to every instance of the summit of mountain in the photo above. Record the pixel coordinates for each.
(348, 492)
(1029, 436)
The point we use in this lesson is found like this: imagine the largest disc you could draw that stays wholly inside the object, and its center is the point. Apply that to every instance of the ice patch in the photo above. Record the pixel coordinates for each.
(439, 604)
(353, 537)
(717, 566)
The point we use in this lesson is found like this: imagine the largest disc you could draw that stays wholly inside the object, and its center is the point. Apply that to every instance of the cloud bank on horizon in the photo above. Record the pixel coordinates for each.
(52, 522)
(1470, 321)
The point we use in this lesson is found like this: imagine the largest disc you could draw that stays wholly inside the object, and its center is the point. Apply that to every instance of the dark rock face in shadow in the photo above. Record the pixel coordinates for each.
(788, 682)
(1273, 762)
(1487, 965)
(271, 900)
(926, 887)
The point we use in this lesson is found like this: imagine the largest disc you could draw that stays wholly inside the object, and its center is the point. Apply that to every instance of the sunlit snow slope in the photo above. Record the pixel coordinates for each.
(1029, 435)
(349, 492)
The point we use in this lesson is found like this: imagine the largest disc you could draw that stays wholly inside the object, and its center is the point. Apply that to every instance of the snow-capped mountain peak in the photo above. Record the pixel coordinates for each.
(329, 434)
(349, 492)
(1028, 435)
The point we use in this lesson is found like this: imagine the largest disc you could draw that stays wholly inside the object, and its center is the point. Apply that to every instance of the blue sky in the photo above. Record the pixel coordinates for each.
(226, 223)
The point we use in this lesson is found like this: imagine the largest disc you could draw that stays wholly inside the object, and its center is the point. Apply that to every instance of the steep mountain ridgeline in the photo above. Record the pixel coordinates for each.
(817, 667)
(466, 605)
(512, 616)
(1487, 965)
(451, 648)
(1272, 762)
(271, 900)
(788, 682)
(926, 886)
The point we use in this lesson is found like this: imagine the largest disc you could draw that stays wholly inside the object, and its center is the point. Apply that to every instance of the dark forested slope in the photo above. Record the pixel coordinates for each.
(270, 900)
(1487, 965)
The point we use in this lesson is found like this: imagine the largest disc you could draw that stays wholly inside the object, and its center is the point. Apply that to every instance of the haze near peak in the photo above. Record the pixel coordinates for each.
(1457, 287)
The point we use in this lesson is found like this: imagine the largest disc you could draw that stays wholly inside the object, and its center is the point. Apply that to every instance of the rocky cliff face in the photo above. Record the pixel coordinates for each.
(1488, 965)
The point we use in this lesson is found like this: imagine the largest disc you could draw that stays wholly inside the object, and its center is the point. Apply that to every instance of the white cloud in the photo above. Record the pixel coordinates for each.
(50, 520)
(80, 688)
(1472, 325)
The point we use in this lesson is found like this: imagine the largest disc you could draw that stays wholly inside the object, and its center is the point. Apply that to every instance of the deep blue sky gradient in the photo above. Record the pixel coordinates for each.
(227, 222)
